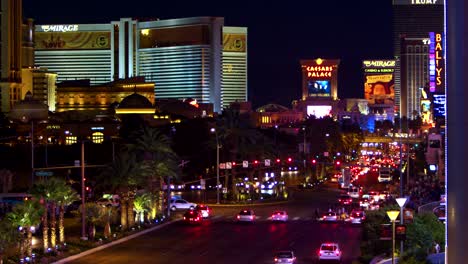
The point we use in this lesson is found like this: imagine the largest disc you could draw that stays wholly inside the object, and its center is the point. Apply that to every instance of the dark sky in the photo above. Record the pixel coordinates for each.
(279, 34)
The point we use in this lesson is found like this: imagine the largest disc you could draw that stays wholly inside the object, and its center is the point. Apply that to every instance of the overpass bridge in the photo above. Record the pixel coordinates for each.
(387, 139)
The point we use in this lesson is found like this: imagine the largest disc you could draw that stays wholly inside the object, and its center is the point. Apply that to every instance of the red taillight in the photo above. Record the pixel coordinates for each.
(184, 217)
(337, 252)
(276, 259)
(198, 218)
(320, 252)
(351, 218)
(252, 217)
(238, 217)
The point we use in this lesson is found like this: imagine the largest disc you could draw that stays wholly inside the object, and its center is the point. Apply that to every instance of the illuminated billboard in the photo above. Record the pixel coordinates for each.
(316, 87)
(234, 42)
(66, 40)
(319, 111)
(436, 63)
(378, 81)
(319, 78)
(439, 105)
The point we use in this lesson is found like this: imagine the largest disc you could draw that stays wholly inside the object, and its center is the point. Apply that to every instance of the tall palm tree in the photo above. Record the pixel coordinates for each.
(44, 192)
(9, 236)
(157, 160)
(66, 197)
(26, 216)
(117, 177)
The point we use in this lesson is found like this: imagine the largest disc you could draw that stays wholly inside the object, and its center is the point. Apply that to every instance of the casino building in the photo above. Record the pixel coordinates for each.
(414, 19)
(319, 87)
(196, 57)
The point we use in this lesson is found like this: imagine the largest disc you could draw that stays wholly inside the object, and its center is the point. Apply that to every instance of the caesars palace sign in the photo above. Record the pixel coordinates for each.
(59, 28)
(319, 71)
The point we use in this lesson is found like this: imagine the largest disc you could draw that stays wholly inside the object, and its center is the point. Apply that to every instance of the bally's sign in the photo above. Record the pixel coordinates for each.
(59, 28)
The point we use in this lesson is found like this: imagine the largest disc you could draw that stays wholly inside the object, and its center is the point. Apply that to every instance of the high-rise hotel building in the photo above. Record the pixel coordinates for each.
(413, 20)
(196, 58)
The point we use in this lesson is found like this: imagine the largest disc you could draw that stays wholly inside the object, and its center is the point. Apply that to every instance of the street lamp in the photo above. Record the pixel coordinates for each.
(213, 130)
(393, 214)
(401, 202)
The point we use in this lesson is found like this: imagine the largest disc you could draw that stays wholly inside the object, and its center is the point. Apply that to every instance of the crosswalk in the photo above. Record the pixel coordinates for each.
(259, 218)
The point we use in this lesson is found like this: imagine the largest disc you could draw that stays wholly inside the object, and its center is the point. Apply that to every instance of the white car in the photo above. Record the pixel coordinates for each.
(357, 217)
(330, 217)
(279, 216)
(246, 215)
(285, 257)
(181, 204)
(330, 251)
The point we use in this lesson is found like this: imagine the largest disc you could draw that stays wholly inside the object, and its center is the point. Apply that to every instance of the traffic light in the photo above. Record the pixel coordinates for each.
(233, 163)
(338, 164)
(289, 160)
(278, 160)
(255, 162)
(314, 162)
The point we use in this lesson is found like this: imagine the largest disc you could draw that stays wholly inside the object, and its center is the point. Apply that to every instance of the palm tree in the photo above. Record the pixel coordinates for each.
(93, 216)
(157, 161)
(140, 206)
(117, 177)
(66, 197)
(43, 191)
(9, 236)
(26, 216)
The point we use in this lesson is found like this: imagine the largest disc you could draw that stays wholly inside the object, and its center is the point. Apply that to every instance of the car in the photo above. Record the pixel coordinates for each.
(279, 216)
(181, 204)
(204, 209)
(246, 215)
(354, 192)
(285, 257)
(330, 251)
(330, 216)
(345, 199)
(357, 217)
(193, 217)
(364, 203)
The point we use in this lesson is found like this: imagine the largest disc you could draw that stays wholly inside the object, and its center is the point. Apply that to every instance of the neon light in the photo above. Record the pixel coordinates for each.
(432, 62)
(379, 63)
(59, 28)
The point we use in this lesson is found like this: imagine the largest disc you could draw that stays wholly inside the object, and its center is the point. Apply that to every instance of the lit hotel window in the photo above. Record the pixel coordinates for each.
(98, 137)
(70, 140)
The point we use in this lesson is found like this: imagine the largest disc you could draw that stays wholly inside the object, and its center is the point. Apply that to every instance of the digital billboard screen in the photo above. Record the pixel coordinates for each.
(319, 111)
(318, 87)
(379, 89)
(439, 105)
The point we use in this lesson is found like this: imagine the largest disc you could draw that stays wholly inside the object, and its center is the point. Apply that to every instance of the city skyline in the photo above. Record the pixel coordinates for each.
(274, 71)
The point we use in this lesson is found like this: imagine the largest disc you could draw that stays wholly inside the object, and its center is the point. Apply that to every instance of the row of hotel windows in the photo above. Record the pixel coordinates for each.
(96, 137)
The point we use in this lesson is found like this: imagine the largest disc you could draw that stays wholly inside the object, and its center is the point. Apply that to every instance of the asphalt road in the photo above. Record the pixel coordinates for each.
(221, 240)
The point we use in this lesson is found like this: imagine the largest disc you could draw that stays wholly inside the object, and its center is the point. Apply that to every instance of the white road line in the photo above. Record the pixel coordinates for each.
(296, 218)
(269, 218)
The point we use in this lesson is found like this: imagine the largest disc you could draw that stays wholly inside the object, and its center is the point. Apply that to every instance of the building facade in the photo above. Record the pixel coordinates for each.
(414, 65)
(413, 19)
(194, 58)
(81, 95)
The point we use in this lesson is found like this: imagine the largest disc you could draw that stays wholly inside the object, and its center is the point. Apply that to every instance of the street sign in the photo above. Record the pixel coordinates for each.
(222, 166)
(228, 165)
(44, 173)
(245, 164)
(267, 163)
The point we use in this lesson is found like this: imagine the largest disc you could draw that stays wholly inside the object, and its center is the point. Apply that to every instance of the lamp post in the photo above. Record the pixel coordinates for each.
(304, 161)
(83, 194)
(401, 202)
(393, 214)
(213, 130)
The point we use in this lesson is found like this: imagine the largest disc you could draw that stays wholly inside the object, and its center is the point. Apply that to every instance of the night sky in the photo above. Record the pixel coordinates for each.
(279, 34)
